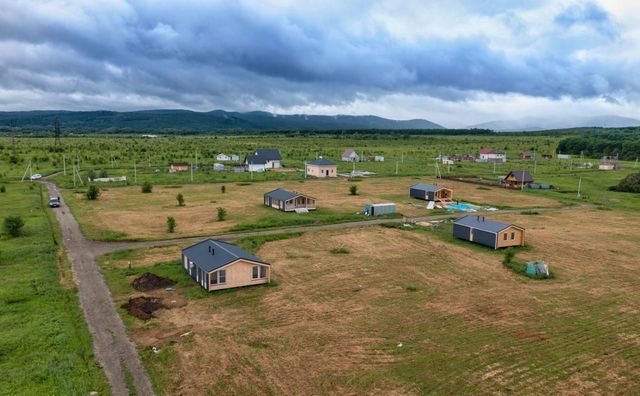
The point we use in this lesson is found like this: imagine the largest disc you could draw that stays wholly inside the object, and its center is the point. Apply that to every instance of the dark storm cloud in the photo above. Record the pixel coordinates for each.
(230, 55)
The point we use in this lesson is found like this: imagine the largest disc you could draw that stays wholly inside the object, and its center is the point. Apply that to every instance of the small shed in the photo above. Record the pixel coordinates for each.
(289, 201)
(179, 167)
(430, 192)
(526, 155)
(490, 233)
(321, 168)
(218, 167)
(379, 209)
(217, 265)
(518, 179)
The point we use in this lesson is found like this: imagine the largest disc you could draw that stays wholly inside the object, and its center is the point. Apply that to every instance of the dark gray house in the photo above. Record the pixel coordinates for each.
(430, 192)
(289, 201)
(216, 265)
(263, 159)
(488, 232)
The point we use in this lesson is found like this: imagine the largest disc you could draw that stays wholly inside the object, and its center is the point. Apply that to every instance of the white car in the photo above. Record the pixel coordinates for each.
(36, 176)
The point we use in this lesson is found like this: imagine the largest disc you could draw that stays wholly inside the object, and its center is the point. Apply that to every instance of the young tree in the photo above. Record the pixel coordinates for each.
(103, 173)
(93, 192)
(13, 225)
(222, 213)
(180, 199)
(223, 189)
(171, 224)
(147, 187)
(91, 175)
(353, 190)
(2, 188)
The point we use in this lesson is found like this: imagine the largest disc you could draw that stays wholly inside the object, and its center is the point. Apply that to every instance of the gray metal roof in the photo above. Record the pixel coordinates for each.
(521, 176)
(212, 254)
(281, 194)
(321, 161)
(255, 159)
(480, 223)
(427, 187)
(269, 154)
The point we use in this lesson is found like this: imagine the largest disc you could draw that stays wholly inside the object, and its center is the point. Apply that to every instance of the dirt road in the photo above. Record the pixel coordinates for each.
(113, 349)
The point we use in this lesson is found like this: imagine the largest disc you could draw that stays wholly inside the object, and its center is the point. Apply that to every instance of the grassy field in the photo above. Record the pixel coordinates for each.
(123, 213)
(407, 312)
(45, 347)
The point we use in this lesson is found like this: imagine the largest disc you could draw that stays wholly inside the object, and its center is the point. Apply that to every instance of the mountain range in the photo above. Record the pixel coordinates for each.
(539, 124)
(191, 121)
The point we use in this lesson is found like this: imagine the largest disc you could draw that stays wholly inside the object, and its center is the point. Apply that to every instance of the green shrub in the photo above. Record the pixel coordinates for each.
(508, 256)
(223, 189)
(631, 183)
(103, 173)
(339, 250)
(180, 199)
(171, 224)
(222, 213)
(91, 175)
(353, 190)
(13, 225)
(147, 187)
(93, 192)
(530, 212)
(2, 188)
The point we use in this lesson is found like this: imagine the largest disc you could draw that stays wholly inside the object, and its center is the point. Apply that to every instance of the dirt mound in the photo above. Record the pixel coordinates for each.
(149, 281)
(143, 307)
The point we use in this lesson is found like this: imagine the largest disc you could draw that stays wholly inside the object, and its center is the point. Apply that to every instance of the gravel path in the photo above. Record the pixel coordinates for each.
(111, 346)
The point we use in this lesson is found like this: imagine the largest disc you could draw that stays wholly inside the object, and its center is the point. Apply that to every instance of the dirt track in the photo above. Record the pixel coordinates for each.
(113, 349)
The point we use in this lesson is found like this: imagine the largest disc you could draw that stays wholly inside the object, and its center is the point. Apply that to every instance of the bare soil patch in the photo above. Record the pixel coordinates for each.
(149, 281)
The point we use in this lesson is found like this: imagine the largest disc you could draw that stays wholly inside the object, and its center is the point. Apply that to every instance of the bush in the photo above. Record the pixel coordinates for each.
(91, 175)
(223, 189)
(147, 187)
(171, 224)
(180, 199)
(631, 183)
(93, 192)
(103, 173)
(2, 188)
(339, 250)
(353, 190)
(508, 256)
(222, 214)
(13, 225)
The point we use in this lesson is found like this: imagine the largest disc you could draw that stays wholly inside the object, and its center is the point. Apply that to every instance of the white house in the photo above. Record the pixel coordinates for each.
(488, 155)
(350, 155)
(235, 157)
(218, 167)
(223, 157)
(262, 160)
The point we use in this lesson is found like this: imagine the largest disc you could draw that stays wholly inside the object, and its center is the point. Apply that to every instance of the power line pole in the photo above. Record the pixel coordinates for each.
(579, 185)
(57, 144)
(135, 172)
(396, 167)
(64, 165)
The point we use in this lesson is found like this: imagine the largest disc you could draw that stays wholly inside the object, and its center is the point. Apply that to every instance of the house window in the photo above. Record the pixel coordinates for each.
(263, 272)
(222, 276)
(255, 272)
(513, 235)
(505, 236)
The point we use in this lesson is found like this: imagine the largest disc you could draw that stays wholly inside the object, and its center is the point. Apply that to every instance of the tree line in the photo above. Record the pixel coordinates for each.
(625, 143)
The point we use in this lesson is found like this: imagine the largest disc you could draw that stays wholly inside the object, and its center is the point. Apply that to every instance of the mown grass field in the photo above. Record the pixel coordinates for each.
(333, 323)
(122, 213)
(45, 347)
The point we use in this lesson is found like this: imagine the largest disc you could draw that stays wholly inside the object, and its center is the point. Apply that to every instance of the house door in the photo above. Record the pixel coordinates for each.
(327, 172)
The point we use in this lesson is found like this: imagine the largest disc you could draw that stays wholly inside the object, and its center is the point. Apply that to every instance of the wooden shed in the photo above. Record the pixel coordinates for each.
(289, 201)
(431, 192)
(490, 233)
(217, 265)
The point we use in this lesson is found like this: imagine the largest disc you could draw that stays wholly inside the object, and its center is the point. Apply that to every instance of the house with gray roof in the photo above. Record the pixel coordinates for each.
(217, 265)
(431, 192)
(321, 168)
(517, 179)
(289, 201)
(350, 155)
(263, 159)
(489, 233)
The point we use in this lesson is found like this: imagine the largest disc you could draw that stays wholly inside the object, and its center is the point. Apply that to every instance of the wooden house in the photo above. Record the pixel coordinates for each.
(518, 179)
(179, 167)
(289, 201)
(490, 233)
(321, 168)
(431, 192)
(217, 265)
(526, 155)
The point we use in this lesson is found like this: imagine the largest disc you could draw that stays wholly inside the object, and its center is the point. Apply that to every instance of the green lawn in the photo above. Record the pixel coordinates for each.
(45, 347)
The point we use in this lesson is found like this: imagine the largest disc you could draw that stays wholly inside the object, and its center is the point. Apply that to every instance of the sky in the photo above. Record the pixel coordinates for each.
(454, 62)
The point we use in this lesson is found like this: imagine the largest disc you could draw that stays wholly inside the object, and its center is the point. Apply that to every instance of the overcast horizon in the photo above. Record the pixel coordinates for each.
(456, 63)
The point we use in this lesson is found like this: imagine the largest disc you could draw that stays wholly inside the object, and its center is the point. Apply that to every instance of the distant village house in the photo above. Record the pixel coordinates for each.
(350, 155)
(179, 167)
(263, 159)
(518, 179)
(526, 155)
(488, 155)
(321, 168)
(289, 201)
(431, 192)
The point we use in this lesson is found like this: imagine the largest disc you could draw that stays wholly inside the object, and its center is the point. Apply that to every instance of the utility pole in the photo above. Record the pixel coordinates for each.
(64, 165)
(14, 147)
(149, 159)
(636, 164)
(305, 169)
(57, 145)
(402, 157)
(396, 167)
(494, 166)
(135, 172)
(30, 170)
(579, 185)
(192, 171)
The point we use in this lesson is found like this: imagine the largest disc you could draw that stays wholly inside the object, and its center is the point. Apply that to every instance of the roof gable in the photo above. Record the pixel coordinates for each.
(521, 176)
(427, 187)
(269, 154)
(480, 223)
(212, 254)
(349, 153)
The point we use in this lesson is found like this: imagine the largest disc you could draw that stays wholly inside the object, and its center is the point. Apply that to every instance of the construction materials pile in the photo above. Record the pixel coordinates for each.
(149, 281)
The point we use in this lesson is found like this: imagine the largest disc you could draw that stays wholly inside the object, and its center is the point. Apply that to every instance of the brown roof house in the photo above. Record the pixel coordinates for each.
(217, 265)
(526, 155)
(289, 201)
(518, 179)
(179, 167)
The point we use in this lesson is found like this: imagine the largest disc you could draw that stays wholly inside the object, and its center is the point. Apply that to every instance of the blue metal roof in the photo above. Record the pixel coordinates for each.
(212, 254)
(269, 154)
(321, 161)
(480, 223)
(427, 187)
(281, 194)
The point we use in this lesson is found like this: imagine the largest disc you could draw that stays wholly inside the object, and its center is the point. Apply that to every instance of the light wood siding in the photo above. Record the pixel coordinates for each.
(238, 275)
(518, 235)
(322, 170)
